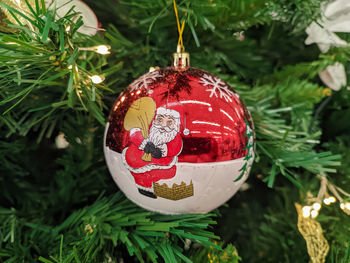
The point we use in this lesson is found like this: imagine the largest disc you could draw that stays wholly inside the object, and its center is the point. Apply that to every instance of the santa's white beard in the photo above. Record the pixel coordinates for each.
(159, 137)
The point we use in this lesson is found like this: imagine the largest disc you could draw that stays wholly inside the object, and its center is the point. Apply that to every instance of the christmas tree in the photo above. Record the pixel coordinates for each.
(60, 73)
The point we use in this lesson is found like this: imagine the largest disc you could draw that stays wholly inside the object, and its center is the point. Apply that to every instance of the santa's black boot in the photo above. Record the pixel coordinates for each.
(147, 193)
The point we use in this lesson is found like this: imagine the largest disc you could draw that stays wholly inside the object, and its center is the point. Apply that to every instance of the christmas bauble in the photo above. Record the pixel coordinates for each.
(179, 141)
(90, 26)
(13, 17)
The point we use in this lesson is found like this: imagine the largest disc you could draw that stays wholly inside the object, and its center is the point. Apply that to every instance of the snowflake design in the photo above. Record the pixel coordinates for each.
(145, 80)
(218, 87)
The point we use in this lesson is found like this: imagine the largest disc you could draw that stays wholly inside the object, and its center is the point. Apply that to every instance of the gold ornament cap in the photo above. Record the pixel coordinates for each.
(181, 58)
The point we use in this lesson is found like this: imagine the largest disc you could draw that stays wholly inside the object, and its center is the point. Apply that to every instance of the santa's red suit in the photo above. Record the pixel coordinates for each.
(145, 173)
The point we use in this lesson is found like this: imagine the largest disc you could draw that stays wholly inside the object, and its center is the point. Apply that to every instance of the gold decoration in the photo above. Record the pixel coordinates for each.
(225, 255)
(3, 24)
(311, 230)
(151, 69)
(176, 192)
(181, 59)
(19, 5)
(88, 228)
(140, 115)
(327, 92)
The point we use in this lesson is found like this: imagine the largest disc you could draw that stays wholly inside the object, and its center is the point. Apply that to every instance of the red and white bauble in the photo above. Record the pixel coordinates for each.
(179, 141)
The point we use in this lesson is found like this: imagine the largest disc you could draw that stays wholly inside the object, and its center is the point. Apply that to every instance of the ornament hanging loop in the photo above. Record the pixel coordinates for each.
(181, 59)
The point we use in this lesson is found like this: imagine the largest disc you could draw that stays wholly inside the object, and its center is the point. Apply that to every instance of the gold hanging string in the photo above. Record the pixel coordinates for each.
(180, 28)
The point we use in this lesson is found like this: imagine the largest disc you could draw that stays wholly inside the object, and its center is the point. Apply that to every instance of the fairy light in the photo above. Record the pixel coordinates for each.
(311, 211)
(316, 206)
(329, 200)
(326, 201)
(89, 229)
(67, 29)
(97, 79)
(332, 199)
(306, 211)
(70, 67)
(345, 206)
(314, 213)
(103, 49)
(338, 195)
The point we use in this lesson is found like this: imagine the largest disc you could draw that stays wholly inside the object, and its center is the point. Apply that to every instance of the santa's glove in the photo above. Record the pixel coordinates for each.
(156, 153)
(149, 146)
(153, 150)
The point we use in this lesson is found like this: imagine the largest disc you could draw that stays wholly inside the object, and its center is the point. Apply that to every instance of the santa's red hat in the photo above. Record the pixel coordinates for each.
(175, 109)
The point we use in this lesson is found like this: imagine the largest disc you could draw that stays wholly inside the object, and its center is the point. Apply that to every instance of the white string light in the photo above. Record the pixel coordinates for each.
(100, 49)
(323, 196)
(103, 49)
(329, 200)
(96, 79)
(316, 206)
(314, 213)
(306, 211)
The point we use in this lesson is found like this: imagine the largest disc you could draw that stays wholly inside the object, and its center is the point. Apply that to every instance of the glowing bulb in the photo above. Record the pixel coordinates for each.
(96, 79)
(314, 213)
(342, 206)
(327, 201)
(316, 206)
(67, 29)
(347, 206)
(332, 199)
(70, 67)
(306, 211)
(102, 49)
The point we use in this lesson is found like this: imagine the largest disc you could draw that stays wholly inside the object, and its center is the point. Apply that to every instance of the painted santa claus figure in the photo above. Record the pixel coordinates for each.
(162, 146)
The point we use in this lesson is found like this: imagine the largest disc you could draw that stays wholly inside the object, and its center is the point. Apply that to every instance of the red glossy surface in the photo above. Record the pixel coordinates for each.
(213, 113)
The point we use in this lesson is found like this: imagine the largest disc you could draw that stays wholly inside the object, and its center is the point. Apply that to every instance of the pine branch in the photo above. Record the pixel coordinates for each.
(93, 233)
(45, 72)
(48, 195)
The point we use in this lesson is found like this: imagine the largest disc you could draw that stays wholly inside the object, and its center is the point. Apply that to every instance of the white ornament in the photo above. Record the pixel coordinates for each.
(334, 76)
(323, 37)
(90, 26)
(61, 142)
(336, 18)
(336, 9)
(217, 87)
